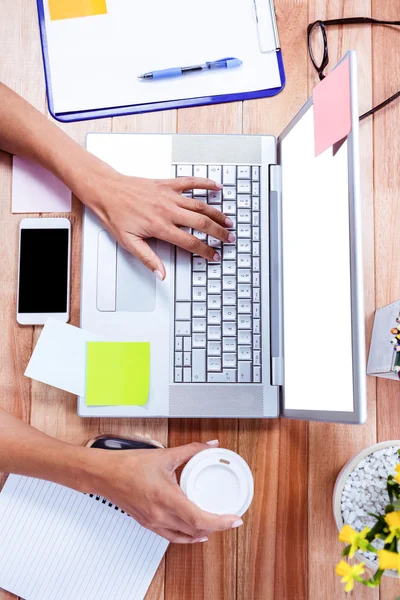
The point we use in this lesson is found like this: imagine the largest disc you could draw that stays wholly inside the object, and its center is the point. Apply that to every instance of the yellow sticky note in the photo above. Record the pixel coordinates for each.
(117, 373)
(72, 9)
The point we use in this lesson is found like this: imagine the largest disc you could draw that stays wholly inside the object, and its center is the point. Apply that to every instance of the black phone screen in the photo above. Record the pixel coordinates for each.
(43, 271)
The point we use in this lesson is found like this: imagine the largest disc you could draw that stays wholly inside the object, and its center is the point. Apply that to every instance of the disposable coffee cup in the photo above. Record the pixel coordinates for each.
(218, 481)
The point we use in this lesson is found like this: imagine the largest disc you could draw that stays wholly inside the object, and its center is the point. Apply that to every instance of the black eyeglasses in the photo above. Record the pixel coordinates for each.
(321, 65)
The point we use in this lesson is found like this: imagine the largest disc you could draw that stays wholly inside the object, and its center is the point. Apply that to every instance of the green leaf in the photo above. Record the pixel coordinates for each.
(346, 551)
(375, 579)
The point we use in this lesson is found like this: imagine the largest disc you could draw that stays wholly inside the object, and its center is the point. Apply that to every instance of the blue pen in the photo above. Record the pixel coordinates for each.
(222, 63)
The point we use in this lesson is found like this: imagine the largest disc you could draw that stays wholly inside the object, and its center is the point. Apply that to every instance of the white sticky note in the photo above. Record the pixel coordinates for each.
(59, 358)
(36, 190)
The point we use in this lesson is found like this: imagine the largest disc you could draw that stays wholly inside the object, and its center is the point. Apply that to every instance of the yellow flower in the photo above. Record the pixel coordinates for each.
(354, 538)
(393, 520)
(349, 573)
(389, 560)
(397, 477)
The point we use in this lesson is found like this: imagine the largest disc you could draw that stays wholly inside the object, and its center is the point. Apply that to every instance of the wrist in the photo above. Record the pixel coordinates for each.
(92, 470)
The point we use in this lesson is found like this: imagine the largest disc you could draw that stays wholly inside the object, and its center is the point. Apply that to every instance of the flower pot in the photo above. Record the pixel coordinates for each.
(338, 492)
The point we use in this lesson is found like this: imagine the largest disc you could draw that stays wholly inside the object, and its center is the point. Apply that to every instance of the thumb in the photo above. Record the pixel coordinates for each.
(180, 455)
(147, 256)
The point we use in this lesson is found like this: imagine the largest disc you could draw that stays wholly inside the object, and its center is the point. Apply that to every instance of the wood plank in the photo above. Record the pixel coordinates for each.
(205, 570)
(386, 189)
(330, 446)
(156, 429)
(272, 548)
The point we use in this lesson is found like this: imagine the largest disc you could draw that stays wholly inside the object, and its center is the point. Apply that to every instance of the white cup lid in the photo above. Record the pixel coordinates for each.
(218, 481)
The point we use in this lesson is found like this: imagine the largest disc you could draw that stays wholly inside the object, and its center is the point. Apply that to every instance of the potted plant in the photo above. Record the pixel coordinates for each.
(366, 504)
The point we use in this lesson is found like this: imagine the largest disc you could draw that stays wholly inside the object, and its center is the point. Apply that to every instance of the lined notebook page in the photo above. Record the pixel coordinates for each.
(59, 543)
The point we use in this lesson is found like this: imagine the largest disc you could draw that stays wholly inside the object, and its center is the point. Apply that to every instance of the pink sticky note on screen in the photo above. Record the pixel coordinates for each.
(35, 189)
(332, 108)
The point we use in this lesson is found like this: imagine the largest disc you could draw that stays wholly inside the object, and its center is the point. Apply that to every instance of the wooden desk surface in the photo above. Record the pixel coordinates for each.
(287, 549)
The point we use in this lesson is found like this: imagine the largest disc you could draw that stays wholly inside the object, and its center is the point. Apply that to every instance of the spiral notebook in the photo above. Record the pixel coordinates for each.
(59, 543)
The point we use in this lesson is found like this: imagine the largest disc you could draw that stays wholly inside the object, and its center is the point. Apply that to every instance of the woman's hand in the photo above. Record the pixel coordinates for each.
(144, 484)
(133, 209)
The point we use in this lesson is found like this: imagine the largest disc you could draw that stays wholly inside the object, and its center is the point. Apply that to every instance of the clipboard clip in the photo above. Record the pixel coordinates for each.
(265, 17)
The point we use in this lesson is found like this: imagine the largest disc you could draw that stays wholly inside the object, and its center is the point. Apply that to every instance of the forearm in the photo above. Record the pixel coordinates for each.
(28, 133)
(25, 450)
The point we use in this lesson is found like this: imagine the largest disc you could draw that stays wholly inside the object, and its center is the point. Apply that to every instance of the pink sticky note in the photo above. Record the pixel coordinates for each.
(35, 189)
(332, 108)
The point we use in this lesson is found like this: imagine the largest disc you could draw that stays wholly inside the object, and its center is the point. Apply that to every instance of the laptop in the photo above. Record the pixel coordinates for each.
(275, 328)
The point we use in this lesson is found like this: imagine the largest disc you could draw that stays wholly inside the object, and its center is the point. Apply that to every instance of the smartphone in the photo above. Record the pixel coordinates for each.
(43, 270)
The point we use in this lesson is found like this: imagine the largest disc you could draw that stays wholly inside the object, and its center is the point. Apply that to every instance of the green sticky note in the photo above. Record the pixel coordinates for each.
(117, 373)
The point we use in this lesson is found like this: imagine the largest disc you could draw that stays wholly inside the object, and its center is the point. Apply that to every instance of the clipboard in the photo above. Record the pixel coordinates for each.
(128, 109)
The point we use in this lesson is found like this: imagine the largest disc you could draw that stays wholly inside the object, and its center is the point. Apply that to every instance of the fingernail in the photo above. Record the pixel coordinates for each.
(216, 257)
(237, 523)
(212, 443)
(158, 274)
(231, 238)
(219, 186)
(228, 222)
(205, 539)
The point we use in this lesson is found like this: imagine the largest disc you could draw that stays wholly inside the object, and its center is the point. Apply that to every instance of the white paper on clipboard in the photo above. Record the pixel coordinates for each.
(95, 61)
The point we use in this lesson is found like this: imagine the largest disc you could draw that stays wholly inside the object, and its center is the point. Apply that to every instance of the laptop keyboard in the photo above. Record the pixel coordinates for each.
(218, 305)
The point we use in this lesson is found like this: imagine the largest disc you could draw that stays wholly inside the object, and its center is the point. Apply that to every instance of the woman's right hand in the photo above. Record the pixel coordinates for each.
(144, 484)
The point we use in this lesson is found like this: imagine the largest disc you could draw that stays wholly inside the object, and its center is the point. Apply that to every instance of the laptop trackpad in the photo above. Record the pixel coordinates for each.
(136, 285)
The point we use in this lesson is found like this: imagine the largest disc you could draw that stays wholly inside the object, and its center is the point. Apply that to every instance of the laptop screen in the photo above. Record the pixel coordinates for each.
(321, 260)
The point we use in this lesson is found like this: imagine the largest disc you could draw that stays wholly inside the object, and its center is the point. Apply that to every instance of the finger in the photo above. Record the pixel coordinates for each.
(181, 454)
(189, 242)
(203, 223)
(203, 208)
(200, 520)
(182, 184)
(146, 255)
(177, 537)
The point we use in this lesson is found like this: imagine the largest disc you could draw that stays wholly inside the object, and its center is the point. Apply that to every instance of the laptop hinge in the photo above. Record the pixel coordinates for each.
(276, 274)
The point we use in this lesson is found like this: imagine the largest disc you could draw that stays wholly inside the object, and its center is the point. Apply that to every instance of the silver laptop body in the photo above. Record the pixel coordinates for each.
(218, 336)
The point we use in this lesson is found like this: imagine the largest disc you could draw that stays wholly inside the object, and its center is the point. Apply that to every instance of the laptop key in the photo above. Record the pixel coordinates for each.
(199, 263)
(229, 344)
(229, 175)
(214, 197)
(183, 311)
(183, 328)
(199, 293)
(199, 365)
(244, 187)
(214, 332)
(200, 171)
(187, 375)
(243, 172)
(183, 275)
(214, 349)
(244, 201)
(199, 340)
(199, 309)
(215, 173)
(178, 375)
(244, 371)
(213, 363)
(184, 171)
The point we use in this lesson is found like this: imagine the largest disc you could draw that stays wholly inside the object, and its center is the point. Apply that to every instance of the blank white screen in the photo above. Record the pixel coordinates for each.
(316, 274)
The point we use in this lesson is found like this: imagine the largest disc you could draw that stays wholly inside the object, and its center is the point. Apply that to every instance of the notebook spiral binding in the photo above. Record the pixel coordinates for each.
(104, 501)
